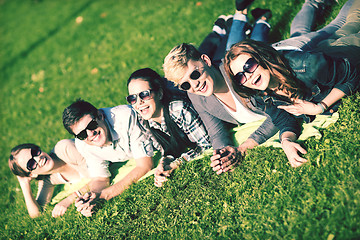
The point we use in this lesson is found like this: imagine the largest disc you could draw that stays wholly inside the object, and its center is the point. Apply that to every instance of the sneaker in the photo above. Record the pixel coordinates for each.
(257, 13)
(229, 20)
(242, 4)
(220, 26)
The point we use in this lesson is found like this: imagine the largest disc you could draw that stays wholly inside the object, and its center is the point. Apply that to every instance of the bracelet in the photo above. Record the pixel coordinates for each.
(282, 140)
(322, 107)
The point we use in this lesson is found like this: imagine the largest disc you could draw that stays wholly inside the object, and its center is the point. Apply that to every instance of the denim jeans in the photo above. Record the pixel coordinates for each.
(302, 36)
(215, 45)
(260, 30)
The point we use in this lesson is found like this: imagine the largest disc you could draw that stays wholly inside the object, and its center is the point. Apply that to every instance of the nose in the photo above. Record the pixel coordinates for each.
(194, 84)
(90, 133)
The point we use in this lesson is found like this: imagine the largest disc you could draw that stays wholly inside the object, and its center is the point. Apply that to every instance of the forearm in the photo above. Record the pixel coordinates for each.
(98, 184)
(289, 136)
(124, 183)
(32, 206)
(334, 96)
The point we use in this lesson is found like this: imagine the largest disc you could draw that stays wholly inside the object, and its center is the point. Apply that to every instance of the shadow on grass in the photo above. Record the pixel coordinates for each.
(51, 33)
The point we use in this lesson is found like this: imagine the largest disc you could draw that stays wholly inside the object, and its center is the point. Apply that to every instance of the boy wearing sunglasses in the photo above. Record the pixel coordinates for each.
(104, 136)
(211, 94)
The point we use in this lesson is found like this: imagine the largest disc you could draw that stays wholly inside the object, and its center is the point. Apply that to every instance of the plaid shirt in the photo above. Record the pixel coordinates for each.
(188, 120)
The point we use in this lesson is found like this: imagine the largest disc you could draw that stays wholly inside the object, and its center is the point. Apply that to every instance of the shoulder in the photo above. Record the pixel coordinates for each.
(118, 111)
(66, 150)
(122, 114)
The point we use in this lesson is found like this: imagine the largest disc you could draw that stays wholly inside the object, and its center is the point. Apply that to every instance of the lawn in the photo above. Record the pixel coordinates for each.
(53, 52)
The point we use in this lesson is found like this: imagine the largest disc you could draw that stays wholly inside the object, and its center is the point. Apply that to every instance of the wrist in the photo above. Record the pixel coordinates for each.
(286, 139)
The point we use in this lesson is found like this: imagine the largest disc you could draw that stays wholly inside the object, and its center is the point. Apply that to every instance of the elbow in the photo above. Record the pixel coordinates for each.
(34, 214)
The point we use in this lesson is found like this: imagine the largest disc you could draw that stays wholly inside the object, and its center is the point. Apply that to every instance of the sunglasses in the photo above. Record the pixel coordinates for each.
(32, 163)
(91, 126)
(249, 67)
(193, 76)
(144, 95)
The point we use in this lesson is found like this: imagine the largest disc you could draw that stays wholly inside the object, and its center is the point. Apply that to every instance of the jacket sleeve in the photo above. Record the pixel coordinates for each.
(327, 71)
(216, 128)
(283, 120)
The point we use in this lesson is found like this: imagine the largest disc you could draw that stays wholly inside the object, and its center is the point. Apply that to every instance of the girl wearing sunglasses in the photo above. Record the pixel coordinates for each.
(290, 83)
(176, 128)
(63, 165)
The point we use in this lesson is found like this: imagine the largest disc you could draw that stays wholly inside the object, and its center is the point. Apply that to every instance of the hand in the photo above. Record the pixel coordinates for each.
(61, 208)
(291, 150)
(302, 107)
(24, 179)
(225, 159)
(86, 203)
(163, 170)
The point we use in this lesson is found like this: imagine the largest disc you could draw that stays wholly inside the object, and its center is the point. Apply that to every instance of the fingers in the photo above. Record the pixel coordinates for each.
(300, 149)
(58, 211)
(159, 181)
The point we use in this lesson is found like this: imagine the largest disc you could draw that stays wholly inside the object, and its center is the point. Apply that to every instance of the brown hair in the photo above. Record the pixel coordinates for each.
(13, 163)
(268, 58)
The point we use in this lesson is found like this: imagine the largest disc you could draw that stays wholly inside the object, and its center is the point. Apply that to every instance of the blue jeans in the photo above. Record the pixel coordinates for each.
(260, 31)
(215, 45)
(302, 36)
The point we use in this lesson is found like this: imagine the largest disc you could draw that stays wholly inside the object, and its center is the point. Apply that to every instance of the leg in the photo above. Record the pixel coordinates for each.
(237, 31)
(262, 27)
(261, 31)
(210, 44)
(310, 40)
(304, 20)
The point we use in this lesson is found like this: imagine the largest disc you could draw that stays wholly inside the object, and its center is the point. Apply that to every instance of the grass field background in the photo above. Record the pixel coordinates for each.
(48, 59)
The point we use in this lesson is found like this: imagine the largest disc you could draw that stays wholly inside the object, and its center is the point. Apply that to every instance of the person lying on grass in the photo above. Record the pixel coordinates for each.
(204, 79)
(290, 83)
(214, 98)
(103, 136)
(176, 128)
(63, 164)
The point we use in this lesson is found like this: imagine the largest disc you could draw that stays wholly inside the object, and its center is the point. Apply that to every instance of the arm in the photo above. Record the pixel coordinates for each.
(143, 165)
(63, 205)
(305, 107)
(188, 120)
(32, 206)
(291, 149)
(339, 75)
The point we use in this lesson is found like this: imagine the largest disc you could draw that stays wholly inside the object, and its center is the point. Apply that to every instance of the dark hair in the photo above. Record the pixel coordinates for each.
(268, 58)
(13, 163)
(78, 109)
(177, 142)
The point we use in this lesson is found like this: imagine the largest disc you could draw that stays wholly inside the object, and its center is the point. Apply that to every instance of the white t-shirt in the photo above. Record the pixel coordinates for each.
(242, 113)
(129, 142)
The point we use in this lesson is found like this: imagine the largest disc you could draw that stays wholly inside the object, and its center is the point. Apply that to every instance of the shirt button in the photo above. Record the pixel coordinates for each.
(313, 93)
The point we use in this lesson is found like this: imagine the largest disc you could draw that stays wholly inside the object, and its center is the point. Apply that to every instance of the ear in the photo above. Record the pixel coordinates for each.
(206, 59)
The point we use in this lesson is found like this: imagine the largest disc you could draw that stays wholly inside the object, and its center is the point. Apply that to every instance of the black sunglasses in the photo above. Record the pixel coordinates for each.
(193, 76)
(249, 67)
(32, 163)
(144, 95)
(91, 126)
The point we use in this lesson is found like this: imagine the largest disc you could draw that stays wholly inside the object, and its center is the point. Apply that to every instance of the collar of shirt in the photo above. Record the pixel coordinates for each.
(113, 135)
(161, 126)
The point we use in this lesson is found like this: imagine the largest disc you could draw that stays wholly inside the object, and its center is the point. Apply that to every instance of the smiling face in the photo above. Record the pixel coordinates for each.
(97, 137)
(259, 79)
(44, 163)
(150, 108)
(202, 82)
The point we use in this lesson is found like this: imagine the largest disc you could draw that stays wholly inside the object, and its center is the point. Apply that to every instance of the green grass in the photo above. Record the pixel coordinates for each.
(43, 48)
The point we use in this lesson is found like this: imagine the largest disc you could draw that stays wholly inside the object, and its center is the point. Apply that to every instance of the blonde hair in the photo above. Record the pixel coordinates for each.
(175, 63)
